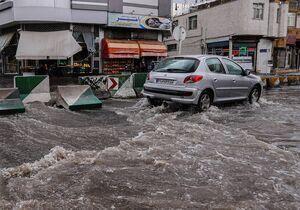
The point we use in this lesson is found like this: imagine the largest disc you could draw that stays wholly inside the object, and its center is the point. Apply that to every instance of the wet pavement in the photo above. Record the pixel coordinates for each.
(131, 156)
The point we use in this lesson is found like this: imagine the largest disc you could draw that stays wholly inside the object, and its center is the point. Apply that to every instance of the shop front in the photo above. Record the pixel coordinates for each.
(119, 56)
(218, 48)
(133, 43)
(54, 49)
(8, 47)
(246, 51)
(42, 51)
(130, 56)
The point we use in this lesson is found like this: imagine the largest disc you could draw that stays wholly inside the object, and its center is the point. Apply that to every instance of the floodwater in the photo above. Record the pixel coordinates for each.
(131, 156)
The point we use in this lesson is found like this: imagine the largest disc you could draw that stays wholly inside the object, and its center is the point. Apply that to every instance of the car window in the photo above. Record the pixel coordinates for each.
(233, 68)
(178, 65)
(215, 65)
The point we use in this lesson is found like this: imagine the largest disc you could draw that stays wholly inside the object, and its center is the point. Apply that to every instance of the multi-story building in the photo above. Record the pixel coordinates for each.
(186, 6)
(104, 35)
(243, 30)
(287, 49)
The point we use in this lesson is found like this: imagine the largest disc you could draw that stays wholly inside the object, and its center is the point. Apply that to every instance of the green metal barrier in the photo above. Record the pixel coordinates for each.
(77, 97)
(139, 80)
(33, 88)
(10, 102)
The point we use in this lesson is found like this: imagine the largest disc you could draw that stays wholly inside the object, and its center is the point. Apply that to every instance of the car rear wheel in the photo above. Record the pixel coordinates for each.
(254, 95)
(155, 102)
(205, 102)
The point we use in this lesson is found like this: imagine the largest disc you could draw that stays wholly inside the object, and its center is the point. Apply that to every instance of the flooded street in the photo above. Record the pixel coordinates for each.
(131, 156)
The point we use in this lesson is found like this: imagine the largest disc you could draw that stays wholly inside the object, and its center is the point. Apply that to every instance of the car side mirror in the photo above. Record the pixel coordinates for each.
(247, 72)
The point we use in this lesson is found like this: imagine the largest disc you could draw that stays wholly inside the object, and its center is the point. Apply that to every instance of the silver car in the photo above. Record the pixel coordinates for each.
(201, 81)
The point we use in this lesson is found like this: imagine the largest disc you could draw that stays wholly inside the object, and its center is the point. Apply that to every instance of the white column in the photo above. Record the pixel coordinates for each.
(101, 36)
(160, 37)
(93, 56)
(72, 58)
(230, 47)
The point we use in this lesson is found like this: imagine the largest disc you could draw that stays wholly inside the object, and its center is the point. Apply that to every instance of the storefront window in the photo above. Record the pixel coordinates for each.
(118, 66)
(10, 64)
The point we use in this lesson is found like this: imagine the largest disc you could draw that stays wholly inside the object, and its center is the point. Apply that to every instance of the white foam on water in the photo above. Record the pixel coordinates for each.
(56, 155)
(143, 102)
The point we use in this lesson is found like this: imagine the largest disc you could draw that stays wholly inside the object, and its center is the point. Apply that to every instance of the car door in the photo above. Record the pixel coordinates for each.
(240, 82)
(222, 82)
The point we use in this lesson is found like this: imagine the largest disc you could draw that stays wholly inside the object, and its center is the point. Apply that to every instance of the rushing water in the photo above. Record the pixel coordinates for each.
(237, 156)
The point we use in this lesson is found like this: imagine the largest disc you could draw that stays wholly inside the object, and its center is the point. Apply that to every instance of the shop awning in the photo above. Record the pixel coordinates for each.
(120, 49)
(152, 49)
(5, 39)
(57, 45)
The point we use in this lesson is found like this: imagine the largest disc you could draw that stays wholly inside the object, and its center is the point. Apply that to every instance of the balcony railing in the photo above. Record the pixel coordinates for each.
(294, 6)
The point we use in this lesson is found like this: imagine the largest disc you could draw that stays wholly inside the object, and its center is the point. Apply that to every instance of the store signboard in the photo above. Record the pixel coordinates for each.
(138, 21)
(243, 51)
(244, 61)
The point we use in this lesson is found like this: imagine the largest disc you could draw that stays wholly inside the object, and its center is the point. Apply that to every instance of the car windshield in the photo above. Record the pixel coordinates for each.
(178, 65)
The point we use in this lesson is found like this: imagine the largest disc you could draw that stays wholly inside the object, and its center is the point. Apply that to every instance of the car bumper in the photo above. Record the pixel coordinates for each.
(179, 95)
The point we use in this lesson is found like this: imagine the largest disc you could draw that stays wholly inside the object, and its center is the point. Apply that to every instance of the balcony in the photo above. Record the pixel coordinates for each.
(47, 11)
(294, 6)
(298, 34)
(291, 36)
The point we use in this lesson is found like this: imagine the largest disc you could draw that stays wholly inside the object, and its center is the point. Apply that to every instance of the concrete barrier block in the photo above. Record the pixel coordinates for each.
(33, 88)
(139, 80)
(95, 82)
(126, 90)
(10, 102)
(77, 97)
(265, 82)
(273, 82)
(283, 80)
(293, 79)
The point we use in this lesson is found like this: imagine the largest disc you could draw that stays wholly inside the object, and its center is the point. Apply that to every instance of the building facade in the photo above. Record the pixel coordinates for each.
(243, 30)
(287, 49)
(90, 22)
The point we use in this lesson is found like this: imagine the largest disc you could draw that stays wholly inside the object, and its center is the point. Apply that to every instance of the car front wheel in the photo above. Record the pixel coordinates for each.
(254, 95)
(205, 102)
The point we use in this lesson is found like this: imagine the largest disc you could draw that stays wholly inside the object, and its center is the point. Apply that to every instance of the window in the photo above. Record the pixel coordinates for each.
(293, 5)
(292, 19)
(178, 65)
(172, 47)
(174, 24)
(258, 11)
(278, 15)
(233, 68)
(193, 22)
(215, 65)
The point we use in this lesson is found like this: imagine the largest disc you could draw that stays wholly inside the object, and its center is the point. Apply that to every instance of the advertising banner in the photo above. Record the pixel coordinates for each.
(138, 21)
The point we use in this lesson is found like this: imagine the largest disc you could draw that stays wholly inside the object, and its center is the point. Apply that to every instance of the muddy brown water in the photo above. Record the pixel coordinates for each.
(130, 156)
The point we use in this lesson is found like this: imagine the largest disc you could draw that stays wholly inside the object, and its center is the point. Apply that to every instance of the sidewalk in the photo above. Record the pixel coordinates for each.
(6, 81)
(280, 77)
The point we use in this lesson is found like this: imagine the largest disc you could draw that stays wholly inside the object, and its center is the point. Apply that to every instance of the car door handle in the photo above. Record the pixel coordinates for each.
(215, 80)
(234, 80)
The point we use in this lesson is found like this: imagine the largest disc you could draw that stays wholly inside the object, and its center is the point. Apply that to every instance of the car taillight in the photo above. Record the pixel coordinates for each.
(148, 76)
(193, 79)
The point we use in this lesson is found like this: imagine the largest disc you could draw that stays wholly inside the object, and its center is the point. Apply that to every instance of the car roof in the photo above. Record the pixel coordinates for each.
(200, 56)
